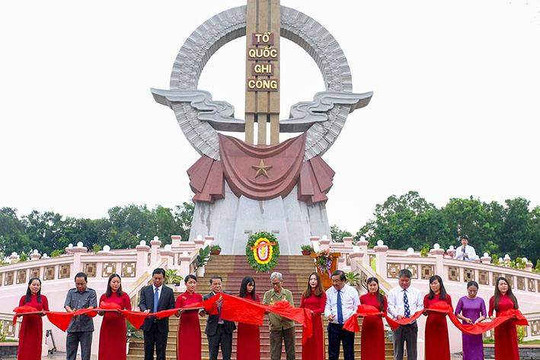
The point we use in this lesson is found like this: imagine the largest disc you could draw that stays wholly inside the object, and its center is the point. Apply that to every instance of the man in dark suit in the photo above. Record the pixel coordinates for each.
(218, 331)
(154, 298)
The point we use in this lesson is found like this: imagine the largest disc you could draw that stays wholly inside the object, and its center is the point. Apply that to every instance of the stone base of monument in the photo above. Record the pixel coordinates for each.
(236, 218)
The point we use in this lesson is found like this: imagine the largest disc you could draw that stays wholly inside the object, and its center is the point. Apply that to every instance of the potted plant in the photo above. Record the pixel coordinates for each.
(306, 249)
(202, 260)
(215, 250)
(172, 278)
(353, 278)
(131, 333)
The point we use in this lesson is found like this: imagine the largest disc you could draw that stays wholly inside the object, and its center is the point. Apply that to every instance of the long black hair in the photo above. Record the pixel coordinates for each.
(318, 289)
(243, 288)
(29, 292)
(442, 294)
(509, 293)
(109, 291)
(380, 296)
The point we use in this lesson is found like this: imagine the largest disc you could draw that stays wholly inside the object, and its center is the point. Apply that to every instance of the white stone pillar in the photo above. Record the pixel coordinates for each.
(167, 253)
(363, 245)
(381, 251)
(35, 255)
(486, 259)
(175, 241)
(154, 250)
(208, 240)
(77, 251)
(324, 243)
(528, 265)
(451, 251)
(356, 261)
(184, 262)
(315, 243)
(199, 242)
(142, 257)
(347, 243)
(439, 264)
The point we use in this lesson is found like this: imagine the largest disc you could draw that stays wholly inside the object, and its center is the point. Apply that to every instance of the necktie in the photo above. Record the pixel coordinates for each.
(156, 299)
(406, 304)
(339, 308)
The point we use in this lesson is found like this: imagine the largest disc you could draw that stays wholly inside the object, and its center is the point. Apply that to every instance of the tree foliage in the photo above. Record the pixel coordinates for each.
(411, 221)
(124, 227)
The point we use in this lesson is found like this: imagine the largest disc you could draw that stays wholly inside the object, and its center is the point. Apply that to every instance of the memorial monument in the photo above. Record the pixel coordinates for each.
(243, 187)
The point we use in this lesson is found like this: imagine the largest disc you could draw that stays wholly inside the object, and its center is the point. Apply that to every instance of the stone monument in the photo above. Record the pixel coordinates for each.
(241, 187)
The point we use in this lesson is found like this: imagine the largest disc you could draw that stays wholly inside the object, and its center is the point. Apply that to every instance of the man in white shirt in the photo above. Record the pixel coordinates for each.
(342, 301)
(403, 302)
(465, 251)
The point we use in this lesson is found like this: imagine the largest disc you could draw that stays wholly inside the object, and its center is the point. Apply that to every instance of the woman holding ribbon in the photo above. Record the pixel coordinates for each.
(437, 343)
(112, 336)
(506, 342)
(314, 298)
(31, 332)
(471, 309)
(248, 343)
(188, 341)
(372, 343)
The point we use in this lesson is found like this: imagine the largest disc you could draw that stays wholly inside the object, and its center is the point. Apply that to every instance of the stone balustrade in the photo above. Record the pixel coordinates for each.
(128, 263)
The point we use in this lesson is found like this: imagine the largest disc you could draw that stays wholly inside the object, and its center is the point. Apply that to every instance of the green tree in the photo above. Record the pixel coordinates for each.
(338, 234)
(13, 235)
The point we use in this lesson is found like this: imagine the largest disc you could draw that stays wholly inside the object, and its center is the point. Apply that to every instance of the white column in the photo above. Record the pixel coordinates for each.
(169, 255)
(155, 245)
(439, 265)
(381, 251)
(363, 245)
(356, 261)
(142, 257)
(175, 241)
(77, 252)
(486, 259)
(324, 243)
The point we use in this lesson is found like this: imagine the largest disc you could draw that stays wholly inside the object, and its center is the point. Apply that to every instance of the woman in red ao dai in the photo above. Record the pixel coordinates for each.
(314, 298)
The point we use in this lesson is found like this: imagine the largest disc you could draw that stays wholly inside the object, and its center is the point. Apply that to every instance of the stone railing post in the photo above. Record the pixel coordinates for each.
(154, 250)
(347, 243)
(363, 246)
(35, 255)
(451, 251)
(528, 265)
(314, 240)
(485, 259)
(324, 243)
(199, 242)
(184, 262)
(507, 260)
(381, 252)
(356, 261)
(142, 257)
(77, 251)
(208, 241)
(167, 253)
(439, 264)
(175, 241)
(14, 258)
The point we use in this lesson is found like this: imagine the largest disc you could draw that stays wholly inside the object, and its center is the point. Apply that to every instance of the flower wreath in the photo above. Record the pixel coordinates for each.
(262, 251)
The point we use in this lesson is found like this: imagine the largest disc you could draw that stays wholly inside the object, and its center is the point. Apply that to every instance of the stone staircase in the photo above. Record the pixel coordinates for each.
(232, 269)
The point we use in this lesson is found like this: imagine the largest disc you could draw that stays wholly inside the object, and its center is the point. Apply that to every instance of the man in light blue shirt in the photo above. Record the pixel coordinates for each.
(342, 301)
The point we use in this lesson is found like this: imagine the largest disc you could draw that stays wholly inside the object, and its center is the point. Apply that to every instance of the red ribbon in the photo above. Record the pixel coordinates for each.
(440, 307)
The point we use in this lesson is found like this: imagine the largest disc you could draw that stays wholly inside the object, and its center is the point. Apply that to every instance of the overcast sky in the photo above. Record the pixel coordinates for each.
(455, 111)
